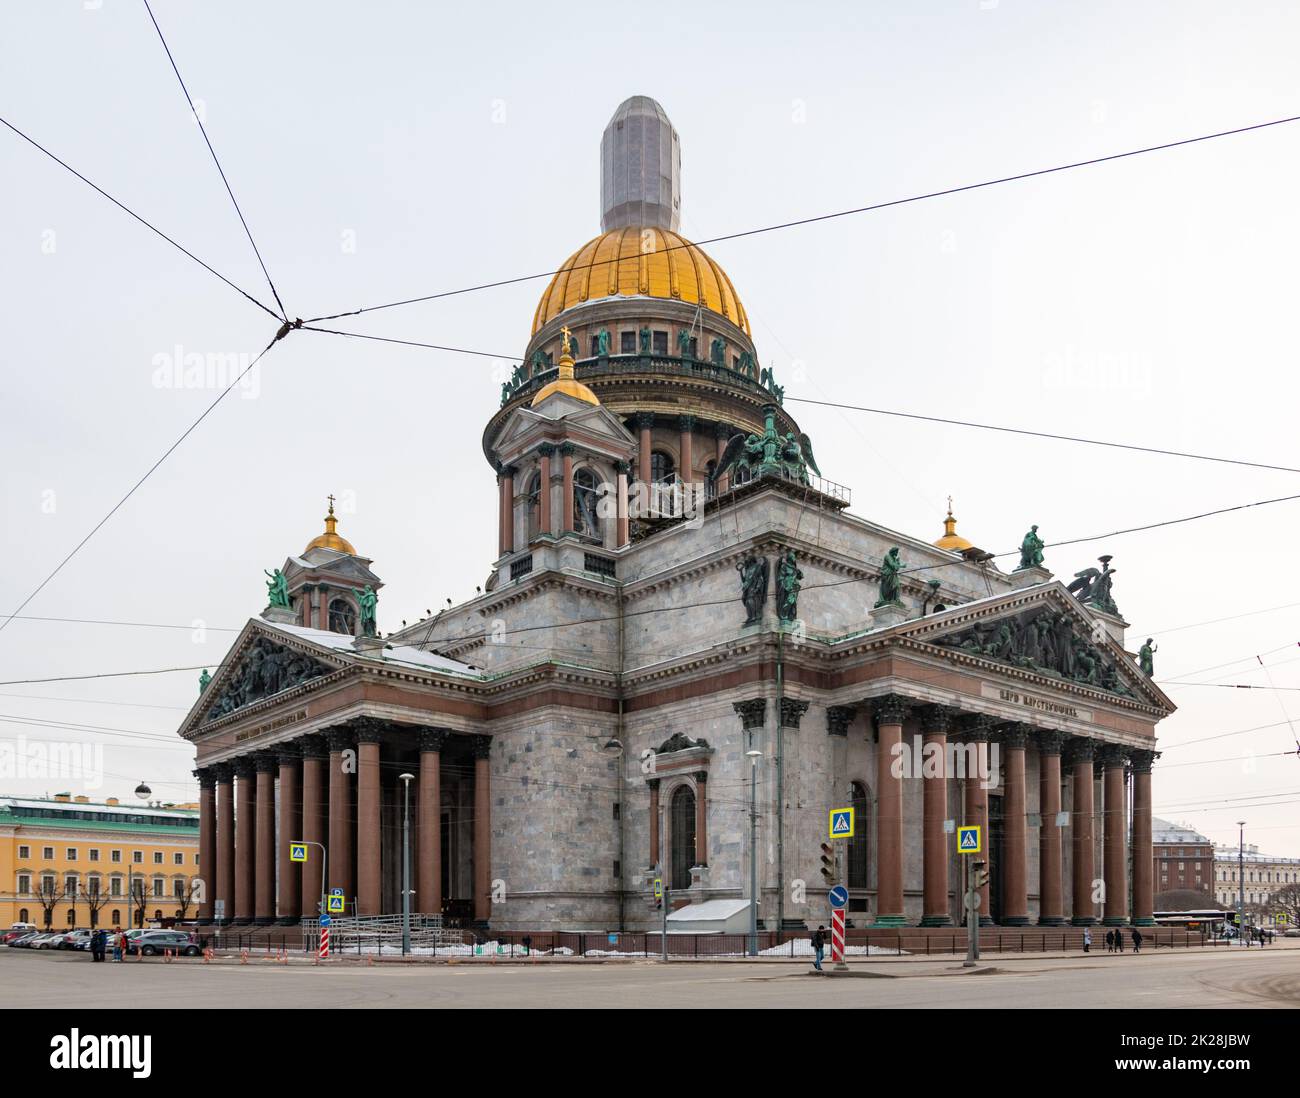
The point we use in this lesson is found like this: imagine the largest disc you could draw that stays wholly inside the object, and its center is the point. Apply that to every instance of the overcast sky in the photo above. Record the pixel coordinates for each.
(389, 150)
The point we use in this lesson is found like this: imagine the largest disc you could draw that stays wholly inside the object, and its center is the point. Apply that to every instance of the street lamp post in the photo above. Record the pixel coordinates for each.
(406, 861)
(144, 793)
(753, 756)
(1241, 883)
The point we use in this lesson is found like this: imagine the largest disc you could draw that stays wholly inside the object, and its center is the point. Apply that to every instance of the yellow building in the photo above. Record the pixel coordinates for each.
(70, 862)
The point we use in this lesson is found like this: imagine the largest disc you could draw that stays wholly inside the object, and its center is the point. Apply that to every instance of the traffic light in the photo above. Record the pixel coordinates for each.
(981, 874)
(828, 863)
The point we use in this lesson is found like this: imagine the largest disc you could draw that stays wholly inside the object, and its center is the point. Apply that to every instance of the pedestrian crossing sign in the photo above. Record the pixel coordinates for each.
(334, 905)
(841, 823)
(297, 852)
(968, 840)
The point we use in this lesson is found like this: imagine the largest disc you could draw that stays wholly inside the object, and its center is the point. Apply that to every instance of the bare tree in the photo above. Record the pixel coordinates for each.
(186, 896)
(49, 895)
(138, 900)
(1286, 901)
(94, 899)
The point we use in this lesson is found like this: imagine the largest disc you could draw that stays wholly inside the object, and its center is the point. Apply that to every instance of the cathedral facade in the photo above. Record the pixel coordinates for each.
(683, 617)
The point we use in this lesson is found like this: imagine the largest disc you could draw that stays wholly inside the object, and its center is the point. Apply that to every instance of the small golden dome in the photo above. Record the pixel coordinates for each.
(566, 383)
(952, 540)
(645, 262)
(330, 539)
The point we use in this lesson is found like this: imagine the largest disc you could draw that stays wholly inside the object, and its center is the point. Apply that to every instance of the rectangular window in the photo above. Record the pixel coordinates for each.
(116, 856)
(157, 857)
(660, 343)
(94, 855)
(24, 884)
(178, 858)
(595, 346)
(48, 853)
(157, 887)
(24, 852)
(137, 856)
(115, 886)
(627, 343)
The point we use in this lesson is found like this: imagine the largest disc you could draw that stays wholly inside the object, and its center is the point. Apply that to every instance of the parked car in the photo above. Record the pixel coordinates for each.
(25, 927)
(152, 943)
(47, 941)
(24, 941)
(76, 939)
(1294, 932)
(11, 936)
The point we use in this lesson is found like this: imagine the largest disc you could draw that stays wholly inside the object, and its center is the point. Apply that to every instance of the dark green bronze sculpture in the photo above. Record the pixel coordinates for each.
(753, 587)
(768, 454)
(277, 589)
(746, 364)
(684, 342)
(204, 679)
(645, 341)
(267, 669)
(1092, 586)
(1031, 550)
(602, 343)
(1147, 658)
(367, 601)
(891, 588)
(718, 352)
(788, 585)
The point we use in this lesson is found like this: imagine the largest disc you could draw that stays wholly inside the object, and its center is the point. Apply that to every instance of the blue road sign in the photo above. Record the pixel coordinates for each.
(839, 897)
(336, 892)
(324, 920)
(968, 840)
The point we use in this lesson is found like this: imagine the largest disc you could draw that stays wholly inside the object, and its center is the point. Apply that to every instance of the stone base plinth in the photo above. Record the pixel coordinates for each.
(1029, 577)
(281, 615)
(891, 614)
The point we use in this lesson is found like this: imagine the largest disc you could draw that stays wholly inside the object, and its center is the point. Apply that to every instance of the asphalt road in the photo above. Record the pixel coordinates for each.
(1193, 979)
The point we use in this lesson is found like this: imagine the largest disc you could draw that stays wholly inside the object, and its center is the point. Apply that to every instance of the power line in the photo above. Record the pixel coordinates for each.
(114, 509)
(136, 624)
(1046, 434)
(1221, 735)
(221, 171)
(409, 343)
(148, 225)
(829, 216)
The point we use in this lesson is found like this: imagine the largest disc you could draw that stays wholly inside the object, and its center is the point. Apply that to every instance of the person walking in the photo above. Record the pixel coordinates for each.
(1110, 941)
(1119, 941)
(119, 943)
(1137, 940)
(96, 945)
(819, 946)
(1087, 940)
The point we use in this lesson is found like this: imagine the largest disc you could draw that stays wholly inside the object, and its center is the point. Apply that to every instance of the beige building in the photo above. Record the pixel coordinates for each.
(1264, 876)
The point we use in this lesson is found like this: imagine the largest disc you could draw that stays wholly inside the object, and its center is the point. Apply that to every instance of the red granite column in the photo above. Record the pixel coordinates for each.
(224, 883)
(702, 818)
(1015, 843)
(976, 797)
(622, 534)
(342, 764)
(890, 712)
(1143, 870)
(566, 455)
(1051, 906)
(644, 421)
(1114, 835)
(428, 878)
(936, 720)
(289, 880)
(207, 840)
(264, 901)
(369, 868)
(314, 814)
(245, 833)
(483, 827)
(653, 783)
(1081, 751)
(544, 491)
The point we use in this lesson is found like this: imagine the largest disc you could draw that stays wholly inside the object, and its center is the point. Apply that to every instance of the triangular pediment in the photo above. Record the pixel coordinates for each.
(1044, 631)
(260, 664)
(524, 426)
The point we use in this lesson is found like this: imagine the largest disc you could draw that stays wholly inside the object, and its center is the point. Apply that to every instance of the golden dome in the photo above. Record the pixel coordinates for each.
(619, 264)
(566, 383)
(329, 539)
(952, 540)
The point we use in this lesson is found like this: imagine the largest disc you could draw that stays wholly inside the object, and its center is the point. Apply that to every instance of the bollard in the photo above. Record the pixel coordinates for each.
(167, 956)
(207, 956)
(243, 956)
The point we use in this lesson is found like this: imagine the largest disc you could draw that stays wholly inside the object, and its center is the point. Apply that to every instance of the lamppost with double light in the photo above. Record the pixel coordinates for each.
(406, 780)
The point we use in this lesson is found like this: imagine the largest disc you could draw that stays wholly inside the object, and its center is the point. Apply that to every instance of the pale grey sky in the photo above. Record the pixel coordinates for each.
(1148, 301)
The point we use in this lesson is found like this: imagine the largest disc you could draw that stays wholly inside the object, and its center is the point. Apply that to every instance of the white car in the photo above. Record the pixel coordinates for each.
(48, 941)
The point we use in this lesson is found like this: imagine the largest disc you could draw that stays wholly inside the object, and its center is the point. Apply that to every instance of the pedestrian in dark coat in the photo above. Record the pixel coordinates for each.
(1110, 941)
(97, 943)
(819, 947)
(1137, 940)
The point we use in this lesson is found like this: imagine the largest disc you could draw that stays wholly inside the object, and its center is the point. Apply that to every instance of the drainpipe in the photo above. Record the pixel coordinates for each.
(622, 766)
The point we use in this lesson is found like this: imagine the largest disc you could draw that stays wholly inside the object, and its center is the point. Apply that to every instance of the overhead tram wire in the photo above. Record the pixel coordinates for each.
(4, 624)
(148, 225)
(220, 170)
(306, 327)
(831, 216)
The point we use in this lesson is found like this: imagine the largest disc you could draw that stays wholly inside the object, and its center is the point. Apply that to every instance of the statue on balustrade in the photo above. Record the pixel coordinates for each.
(754, 573)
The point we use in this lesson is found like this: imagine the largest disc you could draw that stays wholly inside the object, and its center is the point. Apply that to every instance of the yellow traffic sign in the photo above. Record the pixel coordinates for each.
(334, 905)
(841, 823)
(297, 852)
(968, 840)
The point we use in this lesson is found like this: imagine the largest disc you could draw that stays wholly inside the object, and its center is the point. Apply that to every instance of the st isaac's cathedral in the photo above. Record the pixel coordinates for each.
(675, 618)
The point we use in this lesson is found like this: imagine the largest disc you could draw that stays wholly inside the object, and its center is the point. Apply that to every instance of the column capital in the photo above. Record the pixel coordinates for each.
(567, 449)
(1112, 755)
(938, 719)
(1050, 741)
(286, 754)
(977, 727)
(368, 729)
(645, 419)
(891, 708)
(482, 747)
(507, 471)
(222, 772)
(653, 784)
(265, 762)
(1014, 736)
(752, 712)
(792, 711)
(433, 739)
(701, 777)
(207, 777)
(686, 423)
(546, 449)
(838, 719)
(339, 739)
(244, 766)
(623, 468)
(1080, 749)
(1142, 760)
(313, 747)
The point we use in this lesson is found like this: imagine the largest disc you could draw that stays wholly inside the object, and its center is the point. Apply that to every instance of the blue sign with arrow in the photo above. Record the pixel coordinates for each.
(839, 897)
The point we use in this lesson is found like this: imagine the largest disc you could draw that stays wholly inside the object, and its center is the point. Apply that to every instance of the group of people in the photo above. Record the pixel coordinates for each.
(99, 944)
(1114, 940)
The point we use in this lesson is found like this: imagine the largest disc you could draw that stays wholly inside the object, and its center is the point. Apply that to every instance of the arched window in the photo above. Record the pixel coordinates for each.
(683, 837)
(586, 490)
(23, 916)
(534, 507)
(157, 916)
(661, 466)
(343, 618)
(857, 852)
(710, 489)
